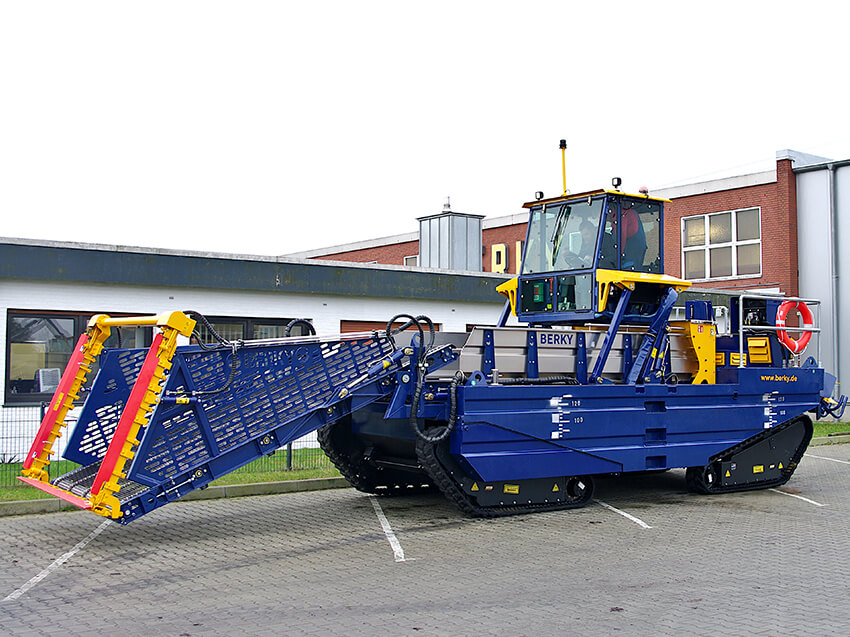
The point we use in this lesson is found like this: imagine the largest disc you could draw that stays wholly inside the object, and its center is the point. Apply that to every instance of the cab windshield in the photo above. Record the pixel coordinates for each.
(562, 236)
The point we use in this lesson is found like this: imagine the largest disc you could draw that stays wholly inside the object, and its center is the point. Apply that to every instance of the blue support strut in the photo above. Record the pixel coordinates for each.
(627, 354)
(532, 369)
(653, 340)
(610, 334)
(581, 359)
(503, 317)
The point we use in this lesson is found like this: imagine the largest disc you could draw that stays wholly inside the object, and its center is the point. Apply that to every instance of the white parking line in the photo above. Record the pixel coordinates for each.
(398, 552)
(58, 562)
(810, 455)
(799, 497)
(637, 521)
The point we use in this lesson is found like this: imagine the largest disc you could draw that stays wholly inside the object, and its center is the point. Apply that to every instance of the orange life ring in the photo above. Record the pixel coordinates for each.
(795, 347)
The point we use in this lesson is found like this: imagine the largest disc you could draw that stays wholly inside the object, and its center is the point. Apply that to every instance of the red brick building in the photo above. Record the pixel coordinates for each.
(745, 228)
(736, 232)
(502, 239)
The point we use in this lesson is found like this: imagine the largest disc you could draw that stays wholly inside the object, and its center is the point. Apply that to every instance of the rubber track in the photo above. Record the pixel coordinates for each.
(694, 475)
(359, 473)
(429, 455)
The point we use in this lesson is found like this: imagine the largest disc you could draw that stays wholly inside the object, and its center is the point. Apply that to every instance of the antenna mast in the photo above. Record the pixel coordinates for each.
(564, 163)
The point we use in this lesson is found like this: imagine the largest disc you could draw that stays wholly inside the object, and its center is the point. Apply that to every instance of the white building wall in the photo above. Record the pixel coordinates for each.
(842, 206)
(325, 311)
(824, 271)
(813, 255)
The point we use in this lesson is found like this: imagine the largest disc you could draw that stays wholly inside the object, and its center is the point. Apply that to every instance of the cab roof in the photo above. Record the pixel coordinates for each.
(590, 193)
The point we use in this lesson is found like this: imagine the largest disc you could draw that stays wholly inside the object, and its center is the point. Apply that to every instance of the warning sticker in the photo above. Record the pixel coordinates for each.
(759, 468)
(728, 475)
(474, 486)
(513, 489)
(555, 488)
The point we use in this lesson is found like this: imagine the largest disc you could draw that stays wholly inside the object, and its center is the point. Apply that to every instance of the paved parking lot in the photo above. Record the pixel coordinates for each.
(323, 563)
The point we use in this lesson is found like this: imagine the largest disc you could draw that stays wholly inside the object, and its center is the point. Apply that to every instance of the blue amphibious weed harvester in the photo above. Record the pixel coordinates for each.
(597, 380)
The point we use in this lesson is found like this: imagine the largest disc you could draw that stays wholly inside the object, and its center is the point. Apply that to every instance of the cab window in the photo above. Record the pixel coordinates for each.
(640, 236)
(562, 237)
(631, 236)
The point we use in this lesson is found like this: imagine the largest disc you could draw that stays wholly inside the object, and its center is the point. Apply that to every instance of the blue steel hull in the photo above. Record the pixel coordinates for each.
(523, 432)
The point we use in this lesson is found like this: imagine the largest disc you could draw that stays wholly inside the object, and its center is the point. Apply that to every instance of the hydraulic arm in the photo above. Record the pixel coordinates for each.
(162, 422)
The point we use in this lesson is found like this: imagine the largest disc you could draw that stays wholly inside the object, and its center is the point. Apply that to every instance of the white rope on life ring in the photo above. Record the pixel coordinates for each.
(795, 347)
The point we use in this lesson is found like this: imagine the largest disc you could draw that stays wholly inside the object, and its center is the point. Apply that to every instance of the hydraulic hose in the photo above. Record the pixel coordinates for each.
(431, 330)
(233, 345)
(299, 321)
(422, 370)
(837, 411)
(452, 421)
(412, 320)
(203, 319)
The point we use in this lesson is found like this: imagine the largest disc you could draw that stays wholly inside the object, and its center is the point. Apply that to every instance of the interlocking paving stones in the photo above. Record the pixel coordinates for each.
(318, 563)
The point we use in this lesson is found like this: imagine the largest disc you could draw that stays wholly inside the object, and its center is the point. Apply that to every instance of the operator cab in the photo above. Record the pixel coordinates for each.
(577, 246)
(569, 234)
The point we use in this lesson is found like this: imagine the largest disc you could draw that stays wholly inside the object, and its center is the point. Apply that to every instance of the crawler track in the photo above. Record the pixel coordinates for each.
(766, 460)
(348, 455)
(457, 487)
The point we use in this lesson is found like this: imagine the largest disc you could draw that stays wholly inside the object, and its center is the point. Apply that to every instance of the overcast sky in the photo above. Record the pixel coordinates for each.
(275, 127)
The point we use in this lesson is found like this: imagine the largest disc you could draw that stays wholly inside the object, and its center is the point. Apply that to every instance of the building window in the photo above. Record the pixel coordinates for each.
(348, 327)
(722, 245)
(38, 347)
(232, 329)
(39, 344)
(412, 260)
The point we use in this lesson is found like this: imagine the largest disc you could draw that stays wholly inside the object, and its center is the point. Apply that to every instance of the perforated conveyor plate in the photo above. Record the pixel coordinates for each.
(79, 482)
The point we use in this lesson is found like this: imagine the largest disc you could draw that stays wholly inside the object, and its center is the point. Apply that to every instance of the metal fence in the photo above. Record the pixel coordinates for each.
(19, 424)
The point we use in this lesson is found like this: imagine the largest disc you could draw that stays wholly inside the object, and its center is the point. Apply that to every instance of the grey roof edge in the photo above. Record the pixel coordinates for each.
(109, 247)
(801, 162)
(716, 185)
(486, 224)
(801, 159)
(823, 166)
(450, 213)
(505, 220)
(356, 245)
(284, 259)
(93, 263)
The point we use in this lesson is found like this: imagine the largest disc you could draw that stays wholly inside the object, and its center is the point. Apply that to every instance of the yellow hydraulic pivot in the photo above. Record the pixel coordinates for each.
(623, 280)
(175, 320)
(508, 289)
(703, 340)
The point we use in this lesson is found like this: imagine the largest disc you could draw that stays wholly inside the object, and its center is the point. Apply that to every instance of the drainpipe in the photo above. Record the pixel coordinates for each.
(833, 267)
